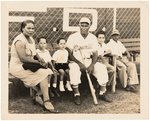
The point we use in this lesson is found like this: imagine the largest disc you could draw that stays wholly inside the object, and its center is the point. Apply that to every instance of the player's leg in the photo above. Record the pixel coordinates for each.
(132, 77)
(111, 72)
(61, 84)
(49, 85)
(100, 72)
(122, 73)
(75, 75)
(68, 85)
(54, 86)
(55, 80)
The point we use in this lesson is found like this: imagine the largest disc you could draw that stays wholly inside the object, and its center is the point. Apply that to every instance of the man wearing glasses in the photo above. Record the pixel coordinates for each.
(83, 46)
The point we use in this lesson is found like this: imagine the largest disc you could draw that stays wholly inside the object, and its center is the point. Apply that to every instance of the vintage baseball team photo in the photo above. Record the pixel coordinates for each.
(75, 58)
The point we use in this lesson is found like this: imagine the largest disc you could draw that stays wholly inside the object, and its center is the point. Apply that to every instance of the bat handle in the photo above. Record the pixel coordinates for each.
(92, 89)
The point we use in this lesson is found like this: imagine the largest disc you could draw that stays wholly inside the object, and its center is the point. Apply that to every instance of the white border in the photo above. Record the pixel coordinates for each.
(19, 18)
(66, 12)
(144, 95)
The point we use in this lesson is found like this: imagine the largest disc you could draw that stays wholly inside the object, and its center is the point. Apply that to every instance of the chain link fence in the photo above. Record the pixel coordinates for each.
(127, 21)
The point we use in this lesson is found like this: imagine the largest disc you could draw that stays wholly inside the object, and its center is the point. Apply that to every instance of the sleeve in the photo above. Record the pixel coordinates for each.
(111, 48)
(123, 49)
(54, 57)
(107, 47)
(49, 58)
(94, 44)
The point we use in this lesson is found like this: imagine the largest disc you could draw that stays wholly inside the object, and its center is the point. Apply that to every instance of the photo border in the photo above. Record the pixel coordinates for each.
(144, 85)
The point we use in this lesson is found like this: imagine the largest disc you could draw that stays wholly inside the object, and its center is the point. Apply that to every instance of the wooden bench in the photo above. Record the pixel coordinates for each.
(17, 88)
(133, 46)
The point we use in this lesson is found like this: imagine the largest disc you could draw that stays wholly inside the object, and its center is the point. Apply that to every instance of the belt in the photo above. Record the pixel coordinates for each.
(86, 58)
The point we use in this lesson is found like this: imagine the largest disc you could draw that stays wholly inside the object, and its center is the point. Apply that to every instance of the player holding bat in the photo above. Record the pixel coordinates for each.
(83, 46)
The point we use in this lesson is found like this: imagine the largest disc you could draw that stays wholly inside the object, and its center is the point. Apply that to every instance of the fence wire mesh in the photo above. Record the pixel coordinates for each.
(127, 21)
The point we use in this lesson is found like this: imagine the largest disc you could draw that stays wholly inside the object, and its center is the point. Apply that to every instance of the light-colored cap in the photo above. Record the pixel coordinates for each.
(115, 31)
(85, 19)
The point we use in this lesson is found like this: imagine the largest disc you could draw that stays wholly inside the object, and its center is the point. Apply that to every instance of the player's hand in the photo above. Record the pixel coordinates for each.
(90, 69)
(41, 60)
(55, 71)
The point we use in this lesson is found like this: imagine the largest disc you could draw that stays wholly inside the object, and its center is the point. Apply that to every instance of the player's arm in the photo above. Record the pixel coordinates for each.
(72, 58)
(20, 48)
(127, 53)
(94, 60)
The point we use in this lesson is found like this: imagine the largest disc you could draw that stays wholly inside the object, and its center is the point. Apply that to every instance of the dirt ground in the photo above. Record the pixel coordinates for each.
(123, 103)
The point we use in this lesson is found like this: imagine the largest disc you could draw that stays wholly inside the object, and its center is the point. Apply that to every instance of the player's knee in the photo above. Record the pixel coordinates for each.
(61, 71)
(132, 65)
(67, 71)
(74, 66)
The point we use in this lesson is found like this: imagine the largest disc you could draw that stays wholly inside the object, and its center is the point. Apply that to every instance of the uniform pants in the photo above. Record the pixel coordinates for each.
(111, 72)
(127, 73)
(111, 69)
(100, 72)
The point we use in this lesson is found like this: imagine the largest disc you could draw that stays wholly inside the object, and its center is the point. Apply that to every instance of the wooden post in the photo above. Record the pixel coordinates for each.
(113, 84)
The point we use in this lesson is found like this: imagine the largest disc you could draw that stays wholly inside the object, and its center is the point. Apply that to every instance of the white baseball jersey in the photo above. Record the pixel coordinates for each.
(102, 49)
(117, 48)
(87, 45)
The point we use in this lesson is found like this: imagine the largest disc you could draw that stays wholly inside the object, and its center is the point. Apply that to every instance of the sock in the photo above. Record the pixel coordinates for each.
(54, 85)
(49, 85)
(102, 92)
(77, 94)
(61, 82)
(68, 82)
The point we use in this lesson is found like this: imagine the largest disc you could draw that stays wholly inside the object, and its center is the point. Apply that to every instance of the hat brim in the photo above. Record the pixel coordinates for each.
(115, 34)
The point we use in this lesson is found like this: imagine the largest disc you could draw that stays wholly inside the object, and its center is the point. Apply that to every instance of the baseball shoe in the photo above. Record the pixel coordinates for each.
(131, 88)
(105, 98)
(77, 100)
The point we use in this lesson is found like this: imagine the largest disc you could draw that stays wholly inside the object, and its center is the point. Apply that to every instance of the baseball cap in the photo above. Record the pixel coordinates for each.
(85, 19)
(115, 31)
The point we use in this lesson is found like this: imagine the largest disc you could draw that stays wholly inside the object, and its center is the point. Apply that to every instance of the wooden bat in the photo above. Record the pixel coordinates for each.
(90, 84)
(113, 89)
(92, 89)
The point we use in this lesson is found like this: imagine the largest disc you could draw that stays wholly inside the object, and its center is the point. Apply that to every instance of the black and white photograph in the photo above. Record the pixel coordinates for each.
(74, 60)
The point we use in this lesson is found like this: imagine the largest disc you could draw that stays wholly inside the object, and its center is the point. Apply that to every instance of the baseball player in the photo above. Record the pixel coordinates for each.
(83, 46)
(126, 70)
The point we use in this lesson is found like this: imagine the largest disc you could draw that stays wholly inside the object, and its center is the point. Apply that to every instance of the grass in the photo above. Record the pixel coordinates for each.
(123, 103)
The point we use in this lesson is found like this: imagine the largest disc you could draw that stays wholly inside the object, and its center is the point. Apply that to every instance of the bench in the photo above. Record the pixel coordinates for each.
(17, 88)
(133, 46)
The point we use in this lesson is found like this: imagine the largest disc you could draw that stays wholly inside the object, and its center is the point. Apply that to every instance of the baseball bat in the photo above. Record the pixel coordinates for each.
(114, 79)
(90, 84)
(92, 89)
